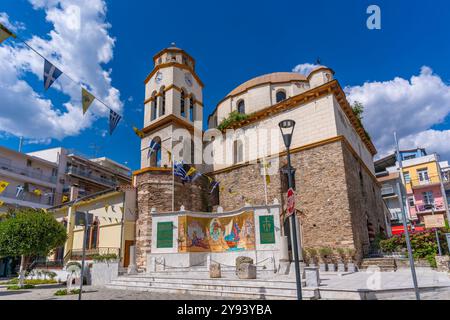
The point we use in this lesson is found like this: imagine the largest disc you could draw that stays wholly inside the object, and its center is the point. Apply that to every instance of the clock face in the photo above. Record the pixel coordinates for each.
(159, 77)
(188, 79)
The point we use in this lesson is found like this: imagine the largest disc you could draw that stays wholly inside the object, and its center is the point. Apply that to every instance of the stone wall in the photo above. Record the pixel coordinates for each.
(154, 190)
(331, 206)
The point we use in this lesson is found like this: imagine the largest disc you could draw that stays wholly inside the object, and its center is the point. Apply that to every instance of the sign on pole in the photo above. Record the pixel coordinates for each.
(434, 221)
(290, 202)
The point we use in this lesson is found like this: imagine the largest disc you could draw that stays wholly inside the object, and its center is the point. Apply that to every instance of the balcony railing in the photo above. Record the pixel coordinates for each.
(84, 174)
(46, 200)
(424, 208)
(35, 174)
(418, 183)
(395, 213)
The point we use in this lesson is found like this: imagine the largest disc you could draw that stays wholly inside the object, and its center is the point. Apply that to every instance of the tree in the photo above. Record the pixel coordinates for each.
(30, 232)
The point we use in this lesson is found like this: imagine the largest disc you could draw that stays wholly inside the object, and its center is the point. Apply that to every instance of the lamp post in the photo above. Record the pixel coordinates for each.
(287, 129)
(431, 207)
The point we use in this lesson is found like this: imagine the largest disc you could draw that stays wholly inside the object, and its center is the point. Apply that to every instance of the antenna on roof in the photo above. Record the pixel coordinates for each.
(318, 62)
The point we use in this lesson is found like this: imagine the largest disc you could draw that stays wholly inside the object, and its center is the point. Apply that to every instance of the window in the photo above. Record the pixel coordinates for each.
(281, 96)
(411, 202)
(407, 177)
(238, 151)
(423, 175)
(182, 102)
(241, 107)
(192, 109)
(428, 197)
(163, 102)
(92, 236)
(154, 109)
(185, 60)
(409, 157)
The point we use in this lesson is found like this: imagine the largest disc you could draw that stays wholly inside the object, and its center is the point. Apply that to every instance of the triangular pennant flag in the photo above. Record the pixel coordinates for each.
(5, 33)
(37, 192)
(122, 209)
(169, 155)
(3, 186)
(210, 179)
(114, 119)
(87, 98)
(51, 73)
(191, 171)
(65, 199)
(196, 176)
(215, 185)
(138, 132)
(106, 207)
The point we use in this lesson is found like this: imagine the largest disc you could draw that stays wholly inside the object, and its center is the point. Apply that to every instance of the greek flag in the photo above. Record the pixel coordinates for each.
(179, 171)
(214, 186)
(114, 119)
(154, 146)
(19, 191)
(51, 73)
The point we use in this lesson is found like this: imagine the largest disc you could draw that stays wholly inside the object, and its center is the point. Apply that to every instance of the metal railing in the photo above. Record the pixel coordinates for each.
(88, 175)
(430, 180)
(425, 207)
(78, 254)
(47, 200)
(35, 174)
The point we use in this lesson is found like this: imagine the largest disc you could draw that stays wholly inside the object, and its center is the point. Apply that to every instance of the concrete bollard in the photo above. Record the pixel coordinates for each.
(312, 277)
(132, 267)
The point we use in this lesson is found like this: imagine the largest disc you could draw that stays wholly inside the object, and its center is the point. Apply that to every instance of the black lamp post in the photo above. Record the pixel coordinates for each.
(287, 129)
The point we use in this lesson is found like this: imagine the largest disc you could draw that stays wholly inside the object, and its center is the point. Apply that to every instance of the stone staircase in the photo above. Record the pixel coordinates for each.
(229, 286)
(385, 264)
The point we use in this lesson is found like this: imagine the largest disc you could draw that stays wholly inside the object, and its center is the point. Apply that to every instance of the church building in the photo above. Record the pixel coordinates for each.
(338, 198)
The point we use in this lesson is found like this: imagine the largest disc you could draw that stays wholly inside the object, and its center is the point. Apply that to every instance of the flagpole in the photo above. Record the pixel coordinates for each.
(173, 175)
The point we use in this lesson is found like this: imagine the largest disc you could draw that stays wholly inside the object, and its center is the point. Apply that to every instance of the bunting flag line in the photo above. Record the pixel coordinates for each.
(51, 73)
(65, 199)
(196, 176)
(87, 98)
(114, 119)
(5, 33)
(191, 171)
(19, 191)
(154, 146)
(179, 171)
(138, 132)
(3, 186)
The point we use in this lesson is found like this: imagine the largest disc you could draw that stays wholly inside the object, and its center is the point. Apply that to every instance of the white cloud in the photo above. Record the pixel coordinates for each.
(305, 68)
(410, 107)
(80, 45)
(16, 26)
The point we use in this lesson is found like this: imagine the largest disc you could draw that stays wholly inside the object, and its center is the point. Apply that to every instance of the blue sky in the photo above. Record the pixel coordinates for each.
(233, 41)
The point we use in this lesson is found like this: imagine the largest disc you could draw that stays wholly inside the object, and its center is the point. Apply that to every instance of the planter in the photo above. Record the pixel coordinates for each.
(341, 267)
(351, 267)
(322, 267)
(331, 267)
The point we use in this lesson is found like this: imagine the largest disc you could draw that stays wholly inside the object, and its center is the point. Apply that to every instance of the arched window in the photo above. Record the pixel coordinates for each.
(192, 109)
(154, 152)
(182, 104)
(238, 151)
(241, 107)
(154, 107)
(162, 110)
(281, 96)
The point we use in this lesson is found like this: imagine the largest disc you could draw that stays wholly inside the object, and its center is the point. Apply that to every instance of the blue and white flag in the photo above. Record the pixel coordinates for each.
(215, 184)
(114, 119)
(19, 191)
(179, 171)
(51, 73)
(154, 146)
(196, 176)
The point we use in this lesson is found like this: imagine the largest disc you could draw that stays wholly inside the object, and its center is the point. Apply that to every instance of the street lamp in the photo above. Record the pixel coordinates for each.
(287, 129)
(430, 206)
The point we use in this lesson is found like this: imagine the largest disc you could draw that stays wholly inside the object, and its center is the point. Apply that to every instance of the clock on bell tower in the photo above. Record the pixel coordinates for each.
(173, 100)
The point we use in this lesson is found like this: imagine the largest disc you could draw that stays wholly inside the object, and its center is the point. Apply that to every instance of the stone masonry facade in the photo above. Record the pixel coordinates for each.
(155, 191)
(338, 201)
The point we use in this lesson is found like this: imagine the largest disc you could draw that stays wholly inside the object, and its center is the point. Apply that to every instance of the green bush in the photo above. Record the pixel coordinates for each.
(104, 257)
(423, 244)
(17, 287)
(233, 118)
(33, 281)
(64, 292)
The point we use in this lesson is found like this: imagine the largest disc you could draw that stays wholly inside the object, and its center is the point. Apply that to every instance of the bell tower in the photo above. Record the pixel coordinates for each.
(173, 100)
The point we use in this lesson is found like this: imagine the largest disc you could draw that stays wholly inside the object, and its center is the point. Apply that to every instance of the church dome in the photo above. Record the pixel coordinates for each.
(272, 78)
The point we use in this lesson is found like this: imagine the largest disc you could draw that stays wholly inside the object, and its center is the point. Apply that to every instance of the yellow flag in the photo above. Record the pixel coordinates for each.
(138, 132)
(3, 186)
(87, 98)
(210, 179)
(122, 209)
(65, 199)
(2, 203)
(267, 166)
(191, 171)
(37, 192)
(106, 207)
(5, 33)
(169, 154)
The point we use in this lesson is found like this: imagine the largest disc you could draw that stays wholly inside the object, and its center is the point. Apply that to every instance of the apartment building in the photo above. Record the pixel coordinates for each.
(31, 181)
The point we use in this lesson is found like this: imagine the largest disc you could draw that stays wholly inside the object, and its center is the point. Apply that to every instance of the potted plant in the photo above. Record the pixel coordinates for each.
(351, 253)
(342, 258)
(325, 254)
(312, 256)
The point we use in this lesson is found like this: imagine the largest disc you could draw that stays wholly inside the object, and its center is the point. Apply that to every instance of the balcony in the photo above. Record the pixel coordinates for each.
(10, 197)
(396, 213)
(27, 172)
(424, 209)
(87, 175)
(422, 183)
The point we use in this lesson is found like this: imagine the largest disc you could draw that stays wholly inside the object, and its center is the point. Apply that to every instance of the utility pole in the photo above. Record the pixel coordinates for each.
(405, 225)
